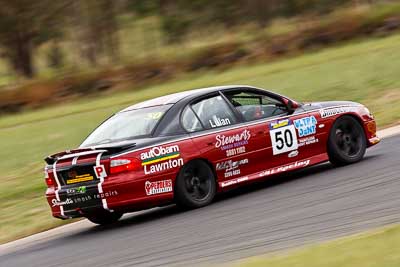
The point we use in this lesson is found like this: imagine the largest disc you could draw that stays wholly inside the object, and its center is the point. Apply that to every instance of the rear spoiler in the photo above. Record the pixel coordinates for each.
(71, 154)
(87, 151)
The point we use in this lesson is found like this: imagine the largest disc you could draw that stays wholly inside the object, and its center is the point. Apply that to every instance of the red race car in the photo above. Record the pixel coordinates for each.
(186, 147)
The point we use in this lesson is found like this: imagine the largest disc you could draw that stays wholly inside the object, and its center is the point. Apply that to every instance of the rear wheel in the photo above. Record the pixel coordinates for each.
(104, 217)
(347, 142)
(195, 185)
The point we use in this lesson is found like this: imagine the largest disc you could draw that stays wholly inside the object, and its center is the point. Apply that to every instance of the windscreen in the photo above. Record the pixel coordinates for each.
(127, 125)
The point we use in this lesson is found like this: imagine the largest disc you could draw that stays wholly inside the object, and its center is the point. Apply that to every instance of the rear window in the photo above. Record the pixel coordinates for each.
(127, 125)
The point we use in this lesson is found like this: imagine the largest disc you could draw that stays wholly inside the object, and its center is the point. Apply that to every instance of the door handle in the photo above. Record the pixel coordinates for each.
(210, 144)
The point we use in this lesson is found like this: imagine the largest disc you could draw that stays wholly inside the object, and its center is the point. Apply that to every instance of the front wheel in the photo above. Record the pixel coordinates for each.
(195, 185)
(347, 142)
(104, 217)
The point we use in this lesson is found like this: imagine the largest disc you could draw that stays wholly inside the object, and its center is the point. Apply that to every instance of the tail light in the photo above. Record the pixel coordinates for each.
(49, 178)
(124, 164)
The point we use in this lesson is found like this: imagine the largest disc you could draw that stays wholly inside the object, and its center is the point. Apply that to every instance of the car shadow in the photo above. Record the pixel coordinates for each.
(146, 216)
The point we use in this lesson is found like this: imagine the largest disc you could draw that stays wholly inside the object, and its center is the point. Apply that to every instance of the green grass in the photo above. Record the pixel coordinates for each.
(367, 72)
(374, 249)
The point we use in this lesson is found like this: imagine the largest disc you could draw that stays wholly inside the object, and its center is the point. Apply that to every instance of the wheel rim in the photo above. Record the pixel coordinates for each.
(349, 138)
(197, 182)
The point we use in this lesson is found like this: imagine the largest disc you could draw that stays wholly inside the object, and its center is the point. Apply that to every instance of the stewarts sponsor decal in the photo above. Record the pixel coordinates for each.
(329, 112)
(234, 144)
(284, 168)
(158, 187)
(231, 167)
(306, 126)
(161, 158)
(55, 202)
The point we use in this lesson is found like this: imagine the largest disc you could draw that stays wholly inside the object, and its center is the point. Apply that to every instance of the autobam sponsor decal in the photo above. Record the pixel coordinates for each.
(306, 126)
(158, 187)
(161, 158)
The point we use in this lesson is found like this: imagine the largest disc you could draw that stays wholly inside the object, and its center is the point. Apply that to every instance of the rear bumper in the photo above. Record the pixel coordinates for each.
(122, 197)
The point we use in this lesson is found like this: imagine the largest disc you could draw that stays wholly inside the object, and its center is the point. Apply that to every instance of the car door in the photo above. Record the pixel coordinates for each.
(273, 134)
(220, 136)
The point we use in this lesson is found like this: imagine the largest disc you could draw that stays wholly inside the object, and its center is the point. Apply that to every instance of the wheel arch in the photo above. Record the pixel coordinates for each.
(198, 159)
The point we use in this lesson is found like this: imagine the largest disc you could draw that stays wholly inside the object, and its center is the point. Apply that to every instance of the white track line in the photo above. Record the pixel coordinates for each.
(46, 235)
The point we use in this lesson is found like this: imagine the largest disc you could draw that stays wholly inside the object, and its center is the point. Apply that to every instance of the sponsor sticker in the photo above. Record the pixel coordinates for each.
(329, 112)
(231, 167)
(74, 178)
(306, 126)
(283, 137)
(161, 158)
(284, 168)
(234, 144)
(158, 187)
(76, 190)
(55, 202)
(234, 181)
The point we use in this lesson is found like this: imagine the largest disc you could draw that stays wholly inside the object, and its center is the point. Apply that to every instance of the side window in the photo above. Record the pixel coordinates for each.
(214, 112)
(254, 106)
(190, 122)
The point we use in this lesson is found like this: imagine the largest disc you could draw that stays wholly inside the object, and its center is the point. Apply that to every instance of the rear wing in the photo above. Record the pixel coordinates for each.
(72, 154)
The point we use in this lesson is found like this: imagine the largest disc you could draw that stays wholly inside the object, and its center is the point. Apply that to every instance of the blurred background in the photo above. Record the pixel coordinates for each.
(67, 65)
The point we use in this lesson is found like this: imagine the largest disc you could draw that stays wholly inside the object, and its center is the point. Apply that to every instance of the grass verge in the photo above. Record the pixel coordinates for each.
(366, 72)
(371, 249)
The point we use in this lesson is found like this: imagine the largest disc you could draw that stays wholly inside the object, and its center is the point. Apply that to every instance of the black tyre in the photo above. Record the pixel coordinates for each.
(347, 142)
(104, 217)
(195, 185)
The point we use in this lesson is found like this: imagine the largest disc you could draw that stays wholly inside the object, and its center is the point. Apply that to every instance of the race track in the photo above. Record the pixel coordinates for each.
(313, 205)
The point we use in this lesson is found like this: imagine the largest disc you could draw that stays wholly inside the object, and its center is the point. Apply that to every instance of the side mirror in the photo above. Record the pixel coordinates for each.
(291, 105)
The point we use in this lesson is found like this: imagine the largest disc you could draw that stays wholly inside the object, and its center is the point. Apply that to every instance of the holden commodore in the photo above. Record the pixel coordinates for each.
(184, 148)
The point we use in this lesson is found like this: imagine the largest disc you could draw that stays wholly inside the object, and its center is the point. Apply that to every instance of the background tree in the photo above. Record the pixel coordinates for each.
(24, 25)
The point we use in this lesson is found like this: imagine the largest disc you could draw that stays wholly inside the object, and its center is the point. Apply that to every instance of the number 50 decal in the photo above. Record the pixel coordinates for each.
(284, 139)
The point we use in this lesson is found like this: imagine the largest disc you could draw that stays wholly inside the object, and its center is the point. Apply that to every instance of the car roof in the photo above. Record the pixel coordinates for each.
(174, 98)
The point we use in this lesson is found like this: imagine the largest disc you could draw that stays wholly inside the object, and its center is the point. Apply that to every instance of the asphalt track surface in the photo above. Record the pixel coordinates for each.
(308, 206)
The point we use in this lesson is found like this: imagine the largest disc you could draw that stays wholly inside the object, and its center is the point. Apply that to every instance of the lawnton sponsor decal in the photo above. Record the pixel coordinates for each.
(231, 167)
(329, 112)
(284, 168)
(306, 126)
(158, 187)
(55, 202)
(160, 158)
